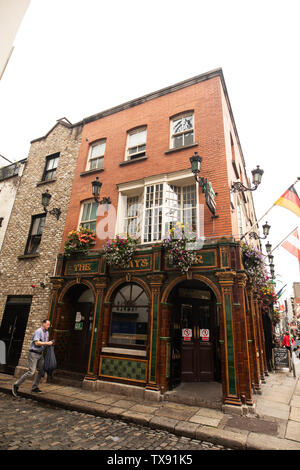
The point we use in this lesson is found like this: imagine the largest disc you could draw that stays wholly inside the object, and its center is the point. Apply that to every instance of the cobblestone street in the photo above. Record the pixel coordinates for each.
(27, 425)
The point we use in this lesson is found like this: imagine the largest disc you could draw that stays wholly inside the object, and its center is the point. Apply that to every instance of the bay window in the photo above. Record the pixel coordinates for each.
(151, 212)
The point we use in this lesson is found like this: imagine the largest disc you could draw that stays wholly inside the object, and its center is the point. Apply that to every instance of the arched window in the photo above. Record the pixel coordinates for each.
(129, 317)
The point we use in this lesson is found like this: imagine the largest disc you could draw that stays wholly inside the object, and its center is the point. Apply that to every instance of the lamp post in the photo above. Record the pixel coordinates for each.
(238, 186)
(96, 188)
(45, 203)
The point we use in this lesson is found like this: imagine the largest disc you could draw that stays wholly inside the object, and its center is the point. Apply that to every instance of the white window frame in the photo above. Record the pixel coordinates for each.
(138, 153)
(138, 188)
(172, 135)
(80, 222)
(99, 157)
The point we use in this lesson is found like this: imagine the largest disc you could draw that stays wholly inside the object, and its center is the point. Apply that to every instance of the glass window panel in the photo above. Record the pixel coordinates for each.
(86, 211)
(93, 214)
(98, 150)
(178, 141)
(187, 123)
(188, 138)
(130, 315)
(137, 138)
(177, 126)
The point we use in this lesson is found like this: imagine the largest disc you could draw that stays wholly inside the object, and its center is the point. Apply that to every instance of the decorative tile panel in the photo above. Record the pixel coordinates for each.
(123, 368)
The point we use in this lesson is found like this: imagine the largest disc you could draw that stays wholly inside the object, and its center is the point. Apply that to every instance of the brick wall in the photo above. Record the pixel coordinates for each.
(18, 275)
(205, 98)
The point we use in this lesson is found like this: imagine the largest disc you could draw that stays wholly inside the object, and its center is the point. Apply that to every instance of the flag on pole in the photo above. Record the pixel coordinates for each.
(292, 244)
(280, 292)
(290, 200)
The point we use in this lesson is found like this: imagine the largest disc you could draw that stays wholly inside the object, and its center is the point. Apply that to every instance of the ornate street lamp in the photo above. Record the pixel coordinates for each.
(268, 248)
(266, 231)
(256, 180)
(196, 161)
(96, 188)
(45, 203)
(271, 258)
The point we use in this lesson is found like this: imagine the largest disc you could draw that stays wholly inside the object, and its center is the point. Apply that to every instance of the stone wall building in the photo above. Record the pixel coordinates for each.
(33, 239)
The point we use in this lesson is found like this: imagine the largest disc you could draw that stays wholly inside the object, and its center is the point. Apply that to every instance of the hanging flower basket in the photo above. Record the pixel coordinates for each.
(276, 316)
(120, 251)
(180, 253)
(79, 242)
(268, 297)
(254, 265)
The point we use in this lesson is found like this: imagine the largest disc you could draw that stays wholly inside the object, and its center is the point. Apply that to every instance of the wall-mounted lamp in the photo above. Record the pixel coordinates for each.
(196, 161)
(96, 188)
(206, 187)
(256, 180)
(266, 230)
(45, 203)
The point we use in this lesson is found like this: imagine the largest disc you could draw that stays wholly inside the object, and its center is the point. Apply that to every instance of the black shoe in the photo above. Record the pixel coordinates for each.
(36, 390)
(15, 390)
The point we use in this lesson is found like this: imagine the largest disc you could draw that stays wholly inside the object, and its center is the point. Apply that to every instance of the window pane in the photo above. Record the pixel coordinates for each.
(188, 123)
(38, 225)
(51, 163)
(93, 214)
(137, 138)
(96, 163)
(86, 211)
(177, 126)
(188, 138)
(33, 245)
(129, 319)
(98, 150)
(178, 141)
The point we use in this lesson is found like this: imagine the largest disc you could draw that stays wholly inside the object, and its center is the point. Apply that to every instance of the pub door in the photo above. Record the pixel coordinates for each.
(12, 330)
(197, 342)
(77, 354)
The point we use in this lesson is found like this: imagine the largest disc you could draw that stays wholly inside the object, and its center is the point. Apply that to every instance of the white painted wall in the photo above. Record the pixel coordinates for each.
(11, 16)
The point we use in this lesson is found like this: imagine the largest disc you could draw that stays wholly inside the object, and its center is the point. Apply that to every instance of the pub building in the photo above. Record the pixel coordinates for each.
(149, 328)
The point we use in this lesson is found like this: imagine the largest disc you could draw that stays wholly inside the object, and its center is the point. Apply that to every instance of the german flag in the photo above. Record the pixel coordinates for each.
(290, 200)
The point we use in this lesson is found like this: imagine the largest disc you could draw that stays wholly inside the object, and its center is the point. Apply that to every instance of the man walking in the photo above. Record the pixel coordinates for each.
(38, 343)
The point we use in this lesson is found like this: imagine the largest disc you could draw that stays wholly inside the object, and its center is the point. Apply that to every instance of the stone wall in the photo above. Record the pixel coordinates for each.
(20, 273)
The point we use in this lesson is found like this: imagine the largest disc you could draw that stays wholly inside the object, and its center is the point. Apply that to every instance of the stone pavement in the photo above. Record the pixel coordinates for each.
(275, 425)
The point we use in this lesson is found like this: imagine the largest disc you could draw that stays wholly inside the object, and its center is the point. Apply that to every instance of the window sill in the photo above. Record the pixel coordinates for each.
(28, 256)
(41, 183)
(127, 162)
(127, 352)
(181, 148)
(91, 172)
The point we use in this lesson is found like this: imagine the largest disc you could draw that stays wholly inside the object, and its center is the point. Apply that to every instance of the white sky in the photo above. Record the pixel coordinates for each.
(74, 58)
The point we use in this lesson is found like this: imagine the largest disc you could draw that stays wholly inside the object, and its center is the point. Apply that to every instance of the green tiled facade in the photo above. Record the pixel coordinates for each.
(230, 346)
(123, 368)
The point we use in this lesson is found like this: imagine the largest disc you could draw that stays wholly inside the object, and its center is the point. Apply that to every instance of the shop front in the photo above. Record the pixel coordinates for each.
(150, 328)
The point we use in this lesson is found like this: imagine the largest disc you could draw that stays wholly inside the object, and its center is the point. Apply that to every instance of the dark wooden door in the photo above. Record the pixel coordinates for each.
(12, 332)
(77, 355)
(197, 354)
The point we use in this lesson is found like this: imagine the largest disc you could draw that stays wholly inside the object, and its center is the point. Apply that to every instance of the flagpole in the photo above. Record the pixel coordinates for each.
(298, 179)
(283, 240)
